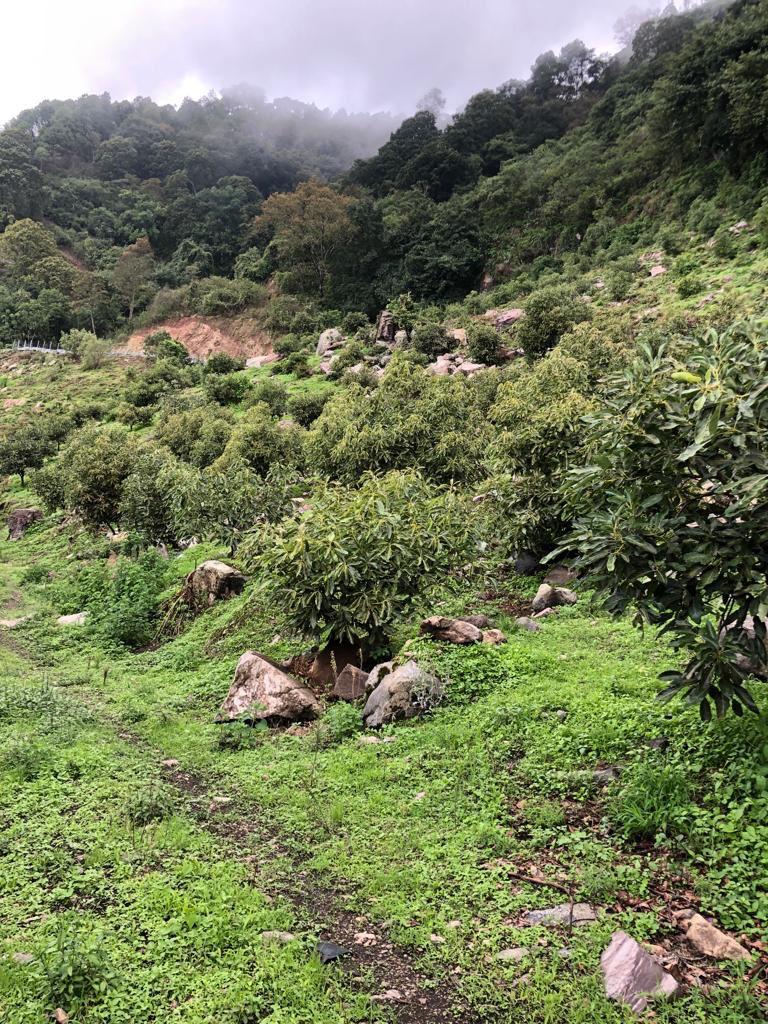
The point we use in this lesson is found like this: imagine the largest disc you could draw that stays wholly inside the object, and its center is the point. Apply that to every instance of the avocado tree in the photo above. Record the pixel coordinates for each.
(671, 509)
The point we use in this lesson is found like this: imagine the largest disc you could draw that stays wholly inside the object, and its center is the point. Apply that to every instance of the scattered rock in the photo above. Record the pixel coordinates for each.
(210, 582)
(78, 619)
(658, 270)
(662, 743)
(438, 940)
(548, 596)
(403, 693)
(469, 369)
(22, 958)
(386, 328)
(604, 776)
(632, 976)
(561, 715)
(14, 623)
(328, 341)
(708, 939)
(20, 520)
(330, 951)
(401, 338)
(526, 564)
(508, 317)
(481, 621)
(281, 937)
(392, 995)
(453, 631)
(261, 690)
(350, 684)
(564, 953)
(559, 575)
(524, 622)
(494, 637)
(170, 762)
(513, 955)
(367, 741)
(60, 1016)
(581, 914)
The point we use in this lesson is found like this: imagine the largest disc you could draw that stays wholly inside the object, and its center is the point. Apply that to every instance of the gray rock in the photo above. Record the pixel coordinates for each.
(403, 693)
(513, 955)
(210, 582)
(582, 914)
(524, 622)
(604, 776)
(78, 619)
(469, 369)
(328, 341)
(386, 328)
(281, 937)
(351, 683)
(20, 520)
(632, 976)
(453, 631)
(561, 715)
(548, 596)
(401, 338)
(261, 690)
(330, 951)
(481, 621)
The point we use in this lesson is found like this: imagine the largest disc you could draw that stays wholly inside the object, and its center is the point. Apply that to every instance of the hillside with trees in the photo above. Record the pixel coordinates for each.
(412, 669)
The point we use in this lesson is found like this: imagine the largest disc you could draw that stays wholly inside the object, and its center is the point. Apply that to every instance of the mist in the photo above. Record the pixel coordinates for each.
(339, 55)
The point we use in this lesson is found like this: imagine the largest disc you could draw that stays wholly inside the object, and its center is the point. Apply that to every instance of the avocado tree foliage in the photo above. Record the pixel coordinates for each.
(671, 509)
(354, 562)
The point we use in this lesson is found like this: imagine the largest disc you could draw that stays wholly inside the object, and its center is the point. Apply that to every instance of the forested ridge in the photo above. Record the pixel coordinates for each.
(355, 455)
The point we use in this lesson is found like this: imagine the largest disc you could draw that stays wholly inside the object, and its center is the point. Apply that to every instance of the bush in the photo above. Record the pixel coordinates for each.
(198, 435)
(271, 393)
(618, 285)
(75, 969)
(355, 562)
(127, 613)
(430, 339)
(260, 442)
(297, 363)
(162, 345)
(688, 286)
(354, 322)
(153, 802)
(670, 509)
(653, 800)
(484, 343)
(229, 389)
(94, 353)
(306, 407)
(549, 313)
(222, 363)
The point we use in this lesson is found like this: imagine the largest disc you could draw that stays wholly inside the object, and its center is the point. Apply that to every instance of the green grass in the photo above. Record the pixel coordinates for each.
(422, 835)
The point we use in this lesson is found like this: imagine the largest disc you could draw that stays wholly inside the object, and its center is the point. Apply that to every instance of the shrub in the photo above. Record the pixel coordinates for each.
(688, 286)
(670, 509)
(430, 339)
(75, 969)
(260, 442)
(296, 363)
(355, 562)
(146, 500)
(306, 407)
(222, 363)
(653, 800)
(618, 284)
(483, 343)
(271, 393)
(126, 615)
(162, 345)
(549, 313)
(724, 244)
(153, 802)
(228, 389)
(93, 353)
(198, 435)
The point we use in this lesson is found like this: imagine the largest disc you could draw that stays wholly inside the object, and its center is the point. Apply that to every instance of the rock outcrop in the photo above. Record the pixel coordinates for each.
(453, 631)
(351, 684)
(262, 691)
(632, 976)
(402, 693)
(210, 582)
(329, 341)
(20, 520)
(386, 328)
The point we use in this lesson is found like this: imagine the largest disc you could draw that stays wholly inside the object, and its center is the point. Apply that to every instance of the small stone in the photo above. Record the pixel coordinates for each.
(22, 958)
(453, 631)
(78, 619)
(564, 953)
(512, 955)
(710, 941)
(330, 951)
(350, 684)
(277, 936)
(60, 1016)
(526, 564)
(494, 637)
(604, 776)
(454, 924)
(170, 762)
(437, 939)
(561, 715)
(392, 995)
(581, 914)
(524, 622)
(632, 976)
(481, 621)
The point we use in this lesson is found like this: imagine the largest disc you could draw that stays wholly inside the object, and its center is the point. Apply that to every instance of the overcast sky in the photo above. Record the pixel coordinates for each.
(357, 54)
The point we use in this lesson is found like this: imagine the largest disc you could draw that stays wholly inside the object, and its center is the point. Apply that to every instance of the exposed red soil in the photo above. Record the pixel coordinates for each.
(239, 337)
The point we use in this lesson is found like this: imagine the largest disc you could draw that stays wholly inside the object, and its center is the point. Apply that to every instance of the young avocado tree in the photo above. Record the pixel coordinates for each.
(353, 564)
(671, 509)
